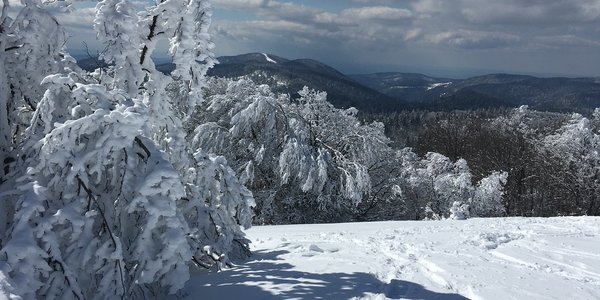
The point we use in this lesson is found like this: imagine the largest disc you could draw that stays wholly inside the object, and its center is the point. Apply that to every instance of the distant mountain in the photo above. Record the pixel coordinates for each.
(384, 92)
(494, 90)
(407, 86)
(554, 94)
(290, 76)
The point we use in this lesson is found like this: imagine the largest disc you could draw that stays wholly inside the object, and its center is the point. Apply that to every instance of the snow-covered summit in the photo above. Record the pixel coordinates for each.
(252, 58)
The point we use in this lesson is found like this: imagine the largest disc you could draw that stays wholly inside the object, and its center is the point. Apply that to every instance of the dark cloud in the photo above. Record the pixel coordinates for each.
(517, 35)
(533, 13)
(469, 30)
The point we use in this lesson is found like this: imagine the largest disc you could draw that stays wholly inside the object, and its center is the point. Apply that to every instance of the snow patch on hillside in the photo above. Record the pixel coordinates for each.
(268, 58)
(436, 85)
(516, 258)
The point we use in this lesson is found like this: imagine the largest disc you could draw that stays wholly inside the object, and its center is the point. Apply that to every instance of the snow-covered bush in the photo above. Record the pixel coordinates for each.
(436, 188)
(459, 211)
(487, 198)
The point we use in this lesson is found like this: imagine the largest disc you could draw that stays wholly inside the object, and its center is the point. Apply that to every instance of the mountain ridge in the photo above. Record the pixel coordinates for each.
(490, 90)
(291, 75)
(394, 91)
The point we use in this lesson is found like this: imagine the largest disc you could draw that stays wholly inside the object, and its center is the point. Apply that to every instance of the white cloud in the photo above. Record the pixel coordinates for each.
(83, 17)
(467, 39)
(377, 13)
(413, 34)
(432, 6)
(590, 10)
(564, 41)
(362, 26)
(238, 4)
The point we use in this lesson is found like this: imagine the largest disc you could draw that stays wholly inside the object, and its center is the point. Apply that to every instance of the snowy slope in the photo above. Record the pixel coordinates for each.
(268, 58)
(505, 258)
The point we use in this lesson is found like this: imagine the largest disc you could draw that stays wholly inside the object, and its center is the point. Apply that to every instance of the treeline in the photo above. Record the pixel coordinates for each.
(551, 158)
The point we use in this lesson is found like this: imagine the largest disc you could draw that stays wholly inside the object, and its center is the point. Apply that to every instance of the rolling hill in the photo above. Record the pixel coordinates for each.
(493, 90)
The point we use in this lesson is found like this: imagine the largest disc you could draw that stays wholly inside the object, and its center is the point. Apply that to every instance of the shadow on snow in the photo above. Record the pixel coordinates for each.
(266, 269)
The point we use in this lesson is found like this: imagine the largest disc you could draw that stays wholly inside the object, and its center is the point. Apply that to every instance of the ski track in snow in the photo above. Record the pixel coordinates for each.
(503, 258)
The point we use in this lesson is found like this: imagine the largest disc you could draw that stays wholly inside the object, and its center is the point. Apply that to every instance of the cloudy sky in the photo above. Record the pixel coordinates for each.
(437, 37)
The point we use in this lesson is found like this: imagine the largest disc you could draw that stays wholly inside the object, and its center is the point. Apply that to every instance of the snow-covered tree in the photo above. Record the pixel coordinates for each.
(111, 202)
(487, 200)
(294, 154)
(31, 47)
(99, 196)
(571, 157)
(170, 101)
(435, 187)
(451, 182)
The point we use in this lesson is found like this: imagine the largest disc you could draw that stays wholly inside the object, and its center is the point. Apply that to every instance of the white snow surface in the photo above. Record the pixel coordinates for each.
(268, 58)
(503, 258)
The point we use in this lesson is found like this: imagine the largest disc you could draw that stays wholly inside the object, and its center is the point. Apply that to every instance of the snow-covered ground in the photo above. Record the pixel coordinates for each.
(505, 258)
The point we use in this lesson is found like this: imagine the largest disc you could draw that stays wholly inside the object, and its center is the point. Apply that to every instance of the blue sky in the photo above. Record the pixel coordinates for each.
(437, 37)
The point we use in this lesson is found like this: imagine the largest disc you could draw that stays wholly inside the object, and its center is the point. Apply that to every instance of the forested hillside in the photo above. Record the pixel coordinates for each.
(551, 158)
(558, 94)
